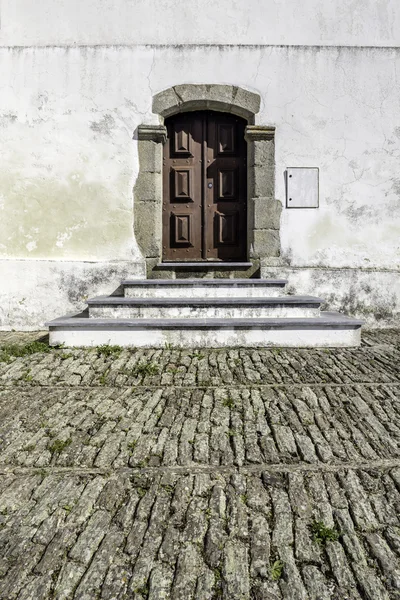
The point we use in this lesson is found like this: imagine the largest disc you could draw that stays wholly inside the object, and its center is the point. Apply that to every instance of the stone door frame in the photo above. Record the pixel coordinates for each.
(263, 219)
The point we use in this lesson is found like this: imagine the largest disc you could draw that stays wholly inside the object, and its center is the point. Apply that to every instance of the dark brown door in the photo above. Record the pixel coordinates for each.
(205, 191)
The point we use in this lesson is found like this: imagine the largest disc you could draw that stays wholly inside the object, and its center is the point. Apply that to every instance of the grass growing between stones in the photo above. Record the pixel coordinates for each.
(10, 351)
(131, 446)
(323, 534)
(143, 368)
(277, 570)
(107, 350)
(59, 445)
(228, 402)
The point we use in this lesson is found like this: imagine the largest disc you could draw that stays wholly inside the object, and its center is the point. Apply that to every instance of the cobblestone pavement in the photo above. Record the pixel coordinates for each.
(200, 475)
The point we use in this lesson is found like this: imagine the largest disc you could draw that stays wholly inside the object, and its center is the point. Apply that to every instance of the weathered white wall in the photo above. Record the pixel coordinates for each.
(32, 291)
(68, 163)
(293, 22)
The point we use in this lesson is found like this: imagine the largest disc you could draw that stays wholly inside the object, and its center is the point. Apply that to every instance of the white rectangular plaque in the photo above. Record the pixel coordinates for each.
(302, 187)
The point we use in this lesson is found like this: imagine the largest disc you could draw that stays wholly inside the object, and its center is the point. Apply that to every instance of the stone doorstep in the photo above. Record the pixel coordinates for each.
(324, 331)
(304, 301)
(204, 307)
(203, 282)
(204, 265)
(328, 320)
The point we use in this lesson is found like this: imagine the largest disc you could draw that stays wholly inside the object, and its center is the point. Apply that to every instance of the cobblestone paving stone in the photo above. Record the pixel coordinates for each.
(201, 475)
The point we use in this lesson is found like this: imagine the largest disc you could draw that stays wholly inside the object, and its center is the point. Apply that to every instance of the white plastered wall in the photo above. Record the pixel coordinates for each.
(71, 101)
(268, 22)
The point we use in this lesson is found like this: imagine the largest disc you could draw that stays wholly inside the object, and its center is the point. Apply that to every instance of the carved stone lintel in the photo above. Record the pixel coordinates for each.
(155, 133)
(257, 133)
(190, 96)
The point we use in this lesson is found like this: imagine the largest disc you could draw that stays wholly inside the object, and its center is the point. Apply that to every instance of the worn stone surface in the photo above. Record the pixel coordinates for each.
(266, 242)
(267, 213)
(165, 474)
(261, 180)
(187, 97)
(262, 150)
(148, 194)
(150, 156)
(148, 187)
(148, 226)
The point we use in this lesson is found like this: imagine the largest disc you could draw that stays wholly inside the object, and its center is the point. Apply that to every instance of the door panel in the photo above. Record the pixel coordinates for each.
(182, 227)
(182, 208)
(182, 138)
(227, 184)
(226, 197)
(226, 138)
(226, 229)
(183, 185)
(205, 188)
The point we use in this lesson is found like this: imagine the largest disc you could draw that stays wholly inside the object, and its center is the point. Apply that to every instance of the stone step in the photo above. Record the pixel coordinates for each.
(203, 265)
(327, 330)
(203, 288)
(114, 307)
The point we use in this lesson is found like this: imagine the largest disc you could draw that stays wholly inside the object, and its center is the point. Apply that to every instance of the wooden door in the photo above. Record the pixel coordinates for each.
(205, 191)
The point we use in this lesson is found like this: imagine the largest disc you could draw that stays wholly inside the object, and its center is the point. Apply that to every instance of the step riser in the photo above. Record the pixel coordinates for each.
(201, 312)
(206, 338)
(203, 292)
